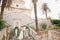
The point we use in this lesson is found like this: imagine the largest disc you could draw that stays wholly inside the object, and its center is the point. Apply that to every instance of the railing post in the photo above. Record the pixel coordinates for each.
(49, 35)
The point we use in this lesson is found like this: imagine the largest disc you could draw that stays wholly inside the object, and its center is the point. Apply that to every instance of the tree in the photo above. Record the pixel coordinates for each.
(35, 10)
(5, 3)
(3, 6)
(45, 9)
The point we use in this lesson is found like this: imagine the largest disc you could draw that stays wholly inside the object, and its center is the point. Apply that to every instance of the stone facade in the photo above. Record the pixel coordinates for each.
(17, 11)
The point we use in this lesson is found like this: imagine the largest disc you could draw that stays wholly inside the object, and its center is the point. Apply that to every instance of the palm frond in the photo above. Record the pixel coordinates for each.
(45, 9)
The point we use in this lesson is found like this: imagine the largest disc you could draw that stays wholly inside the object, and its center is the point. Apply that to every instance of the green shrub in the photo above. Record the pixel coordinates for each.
(43, 25)
(28, 25)
(56, 22)
(2, 23)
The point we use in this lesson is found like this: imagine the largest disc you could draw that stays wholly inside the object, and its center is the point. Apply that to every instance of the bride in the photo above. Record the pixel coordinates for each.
(21, 33)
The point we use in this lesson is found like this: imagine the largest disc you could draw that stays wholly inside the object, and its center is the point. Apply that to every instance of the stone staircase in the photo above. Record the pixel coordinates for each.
(45, 35)
(42, 35)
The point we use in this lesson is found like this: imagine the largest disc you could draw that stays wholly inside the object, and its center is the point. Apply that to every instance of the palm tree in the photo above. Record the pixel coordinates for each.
(5, 3)
(45, 9)
(2, 7)
(35, 10)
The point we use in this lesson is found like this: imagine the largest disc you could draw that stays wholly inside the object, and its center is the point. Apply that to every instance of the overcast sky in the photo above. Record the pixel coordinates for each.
(54, 6)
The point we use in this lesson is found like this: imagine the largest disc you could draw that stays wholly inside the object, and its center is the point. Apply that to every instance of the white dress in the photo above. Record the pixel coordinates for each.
(20, 35)
(16, 32)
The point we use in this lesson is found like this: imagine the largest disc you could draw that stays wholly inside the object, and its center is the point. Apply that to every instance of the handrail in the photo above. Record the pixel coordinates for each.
(32, 30)
(55, 31)
(33, 33)
(55, 35)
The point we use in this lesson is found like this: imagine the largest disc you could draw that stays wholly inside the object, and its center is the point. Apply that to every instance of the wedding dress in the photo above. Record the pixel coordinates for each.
(20, 35)
(16, 32)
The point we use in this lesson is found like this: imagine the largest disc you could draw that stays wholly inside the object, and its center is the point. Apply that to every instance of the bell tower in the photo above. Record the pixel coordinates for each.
(18, 3)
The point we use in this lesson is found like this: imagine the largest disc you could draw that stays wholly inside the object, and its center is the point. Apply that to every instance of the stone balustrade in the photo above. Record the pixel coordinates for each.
(39, 35)
(2, 32)
(45, 35)
(55, 35)
(33, 33)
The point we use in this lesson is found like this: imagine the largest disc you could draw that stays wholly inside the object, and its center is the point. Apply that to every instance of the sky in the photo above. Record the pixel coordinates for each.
(54, 6)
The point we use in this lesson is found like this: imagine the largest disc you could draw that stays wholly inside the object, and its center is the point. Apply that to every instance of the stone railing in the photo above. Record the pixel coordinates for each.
(33, 33)
(45, 35)
(3, 33)
(55, 35)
